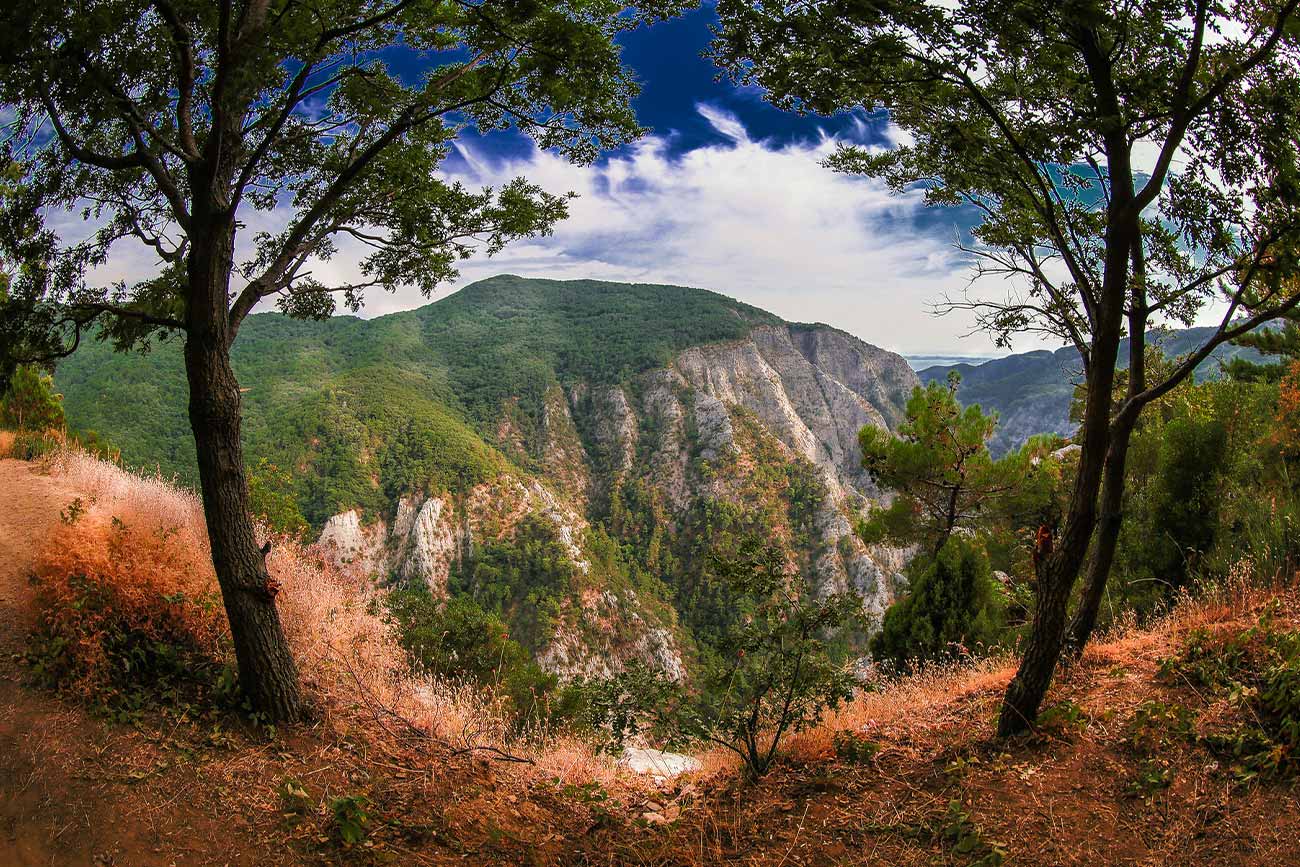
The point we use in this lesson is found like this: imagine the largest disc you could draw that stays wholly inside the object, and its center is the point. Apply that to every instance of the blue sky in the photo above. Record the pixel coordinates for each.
(725, 193)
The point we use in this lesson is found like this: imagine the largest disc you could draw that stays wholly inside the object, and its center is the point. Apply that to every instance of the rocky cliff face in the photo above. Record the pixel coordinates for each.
(752, 424)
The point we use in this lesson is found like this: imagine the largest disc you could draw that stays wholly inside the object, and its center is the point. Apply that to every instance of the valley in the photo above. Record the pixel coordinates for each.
(628, 432)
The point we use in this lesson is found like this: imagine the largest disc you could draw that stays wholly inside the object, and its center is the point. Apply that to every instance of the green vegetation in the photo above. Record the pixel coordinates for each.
(456, 639)
(951, 609)
(1258, 671)
(30, 402)
(770, 673)
(939, 467)
(364, 410)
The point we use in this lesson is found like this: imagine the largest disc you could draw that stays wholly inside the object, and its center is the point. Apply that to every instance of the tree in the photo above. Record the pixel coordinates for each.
(31, 403)
(1283, 341)
(172, 122)
(762, 677)
(938, 466)
(1034, 116)
(950, 609)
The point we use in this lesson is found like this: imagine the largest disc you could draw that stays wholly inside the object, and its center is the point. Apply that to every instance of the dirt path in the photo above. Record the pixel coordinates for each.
(29, 507)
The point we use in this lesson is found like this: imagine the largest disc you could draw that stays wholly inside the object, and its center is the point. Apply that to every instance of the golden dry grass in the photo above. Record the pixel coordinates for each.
(6, 443)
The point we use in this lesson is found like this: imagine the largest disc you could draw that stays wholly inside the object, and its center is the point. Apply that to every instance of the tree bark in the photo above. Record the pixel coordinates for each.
(267, 673)
(1105, 543)
(1060, 571)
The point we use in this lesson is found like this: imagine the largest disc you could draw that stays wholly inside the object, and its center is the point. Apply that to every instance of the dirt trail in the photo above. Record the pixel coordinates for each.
(29, 506)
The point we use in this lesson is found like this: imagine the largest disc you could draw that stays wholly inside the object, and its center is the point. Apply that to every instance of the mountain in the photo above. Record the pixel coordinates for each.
(1032, 391)
(570, 453)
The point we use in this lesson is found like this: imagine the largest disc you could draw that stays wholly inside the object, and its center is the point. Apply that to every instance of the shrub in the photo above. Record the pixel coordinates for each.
(951, 609)
(766, 675)
(126, 622)
(1258, 670)
(30, 403)
(456, 639)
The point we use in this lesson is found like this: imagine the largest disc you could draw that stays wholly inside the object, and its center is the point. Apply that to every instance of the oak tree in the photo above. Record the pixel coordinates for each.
(178, 124)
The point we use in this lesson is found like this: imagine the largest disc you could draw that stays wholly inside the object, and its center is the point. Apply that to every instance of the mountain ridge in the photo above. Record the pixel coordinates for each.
(1032, 391)
(575, 448)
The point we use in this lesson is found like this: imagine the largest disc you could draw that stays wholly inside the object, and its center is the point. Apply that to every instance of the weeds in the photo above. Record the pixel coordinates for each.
(349, 819)
(1257, 672)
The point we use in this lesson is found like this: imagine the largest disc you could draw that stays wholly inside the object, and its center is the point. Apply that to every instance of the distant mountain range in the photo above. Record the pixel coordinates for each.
(1032, 391)
(570, 453)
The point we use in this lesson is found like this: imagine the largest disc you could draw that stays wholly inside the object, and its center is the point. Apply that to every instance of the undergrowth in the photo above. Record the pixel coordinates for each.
(1256, 672)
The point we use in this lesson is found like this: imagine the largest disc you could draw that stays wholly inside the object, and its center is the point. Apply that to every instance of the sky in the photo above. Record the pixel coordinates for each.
(725, 193)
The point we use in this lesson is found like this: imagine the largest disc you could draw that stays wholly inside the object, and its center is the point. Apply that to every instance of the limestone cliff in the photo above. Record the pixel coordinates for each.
(750, 425)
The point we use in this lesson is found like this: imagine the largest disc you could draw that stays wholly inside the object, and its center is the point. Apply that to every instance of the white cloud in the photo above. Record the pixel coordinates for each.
(764, 223)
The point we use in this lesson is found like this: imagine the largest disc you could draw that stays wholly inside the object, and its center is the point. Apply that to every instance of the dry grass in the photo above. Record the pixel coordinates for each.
(405, 742)
(355, 673)
(6, 443)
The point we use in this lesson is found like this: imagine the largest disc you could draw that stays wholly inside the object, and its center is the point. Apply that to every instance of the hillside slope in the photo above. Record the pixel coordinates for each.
(1032, 391)
(1125, 769)
(629, 430)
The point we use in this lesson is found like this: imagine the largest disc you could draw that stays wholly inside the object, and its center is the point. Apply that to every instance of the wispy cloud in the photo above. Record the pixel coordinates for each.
(765, 223)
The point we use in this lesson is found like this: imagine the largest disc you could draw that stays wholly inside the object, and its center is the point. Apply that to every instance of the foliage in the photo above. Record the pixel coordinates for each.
(456, 639)
(270, 497)
(1286, 432)
(939, 468)
(967, 841)
(1282, 341)
(951, 609)
(770, 674)
(31, 403)
(120, 626)
(349, 818)
(1258, 670)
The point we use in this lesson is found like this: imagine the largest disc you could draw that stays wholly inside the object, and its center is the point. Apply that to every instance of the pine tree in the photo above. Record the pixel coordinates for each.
(1282, 342)
(30, 402)
(951, 609)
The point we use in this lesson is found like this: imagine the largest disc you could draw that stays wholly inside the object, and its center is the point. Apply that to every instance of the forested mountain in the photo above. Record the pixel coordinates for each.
(1032, 391)
(569, 453)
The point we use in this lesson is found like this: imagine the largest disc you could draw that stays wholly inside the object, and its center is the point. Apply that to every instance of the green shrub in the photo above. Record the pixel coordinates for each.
(768, 674)
(951, 609)
(456, 639)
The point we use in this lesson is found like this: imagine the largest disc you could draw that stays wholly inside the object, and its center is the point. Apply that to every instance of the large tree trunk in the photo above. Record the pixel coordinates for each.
(267, 672)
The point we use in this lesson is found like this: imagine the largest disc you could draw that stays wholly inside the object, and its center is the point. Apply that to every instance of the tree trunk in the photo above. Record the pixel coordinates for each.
(1056, 580)
(267, 673)
(1105, 543)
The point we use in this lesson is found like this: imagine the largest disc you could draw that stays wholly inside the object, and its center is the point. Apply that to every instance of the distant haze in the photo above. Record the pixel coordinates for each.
(921, 362)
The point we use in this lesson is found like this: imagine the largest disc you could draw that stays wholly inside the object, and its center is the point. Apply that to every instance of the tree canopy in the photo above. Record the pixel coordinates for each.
(939, 468)
(1127, 165)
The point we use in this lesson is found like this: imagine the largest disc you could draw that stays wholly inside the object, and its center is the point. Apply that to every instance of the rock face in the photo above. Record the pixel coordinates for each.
(717, 424)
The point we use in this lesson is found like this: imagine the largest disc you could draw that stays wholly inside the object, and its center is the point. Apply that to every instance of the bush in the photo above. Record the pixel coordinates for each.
(30, 403)
(456, 639)
(951, 609)
(1258, 670)
(125, 623)
(767, 675)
